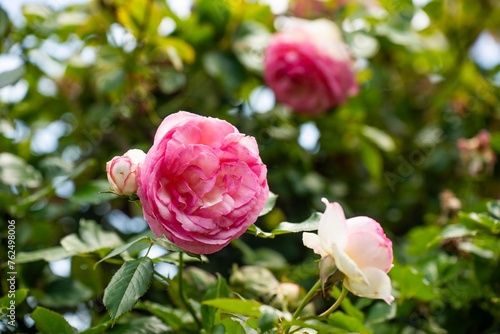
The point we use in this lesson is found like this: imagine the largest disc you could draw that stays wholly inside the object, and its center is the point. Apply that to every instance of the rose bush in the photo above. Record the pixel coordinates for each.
(202, 182)
(122, 172)
(359, 249)
(308, 67)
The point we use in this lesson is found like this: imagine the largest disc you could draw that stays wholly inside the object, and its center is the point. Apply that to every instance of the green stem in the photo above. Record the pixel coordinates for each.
(337, 302)
(306, 299)
(181, 292)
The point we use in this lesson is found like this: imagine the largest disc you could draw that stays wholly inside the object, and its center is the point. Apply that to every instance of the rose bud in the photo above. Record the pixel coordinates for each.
(122, 172)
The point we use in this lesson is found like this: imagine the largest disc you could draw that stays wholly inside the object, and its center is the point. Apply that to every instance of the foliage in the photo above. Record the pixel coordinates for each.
(98, 79)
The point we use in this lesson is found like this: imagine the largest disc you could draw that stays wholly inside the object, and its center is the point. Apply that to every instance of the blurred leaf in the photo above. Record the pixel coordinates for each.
(128, 284)
(372, 160)
(99, 329)
(341, 320)
(379, 138)
(92, 238)
(422, 238)
(50, 322)
(411, 284)
(18, 297)
(15, 171)
(173, 317)
(109, 80)
(494, 209)
(171, 81)
(271, 202)
(83, 270)
(123, 248)
(250, 308)
(4, 23)
(65, 292)
(176, 50)
(226, 70)
(11, 76)
(92, 192)
(47, 254)
(455, 231)
(380, 312)
(481, 220)
(140, 325)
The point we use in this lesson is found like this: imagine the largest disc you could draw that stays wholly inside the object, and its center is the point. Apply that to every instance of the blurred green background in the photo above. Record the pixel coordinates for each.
(83, 81)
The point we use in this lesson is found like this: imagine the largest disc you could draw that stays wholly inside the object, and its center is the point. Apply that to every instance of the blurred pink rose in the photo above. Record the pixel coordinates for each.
(359, 249)
(122, 172)
(202, 183)
(308, 67)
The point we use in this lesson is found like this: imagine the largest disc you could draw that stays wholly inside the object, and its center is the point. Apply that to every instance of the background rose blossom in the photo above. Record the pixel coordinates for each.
(122, 171)
(202, 183)
(358, 248)
(308, 67)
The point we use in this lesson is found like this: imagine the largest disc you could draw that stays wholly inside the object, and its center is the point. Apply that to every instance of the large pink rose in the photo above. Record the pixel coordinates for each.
(308, 67)
(202, 183)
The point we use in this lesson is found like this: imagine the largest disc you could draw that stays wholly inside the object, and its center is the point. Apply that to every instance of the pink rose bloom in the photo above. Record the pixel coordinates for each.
(359, 249)
(202, 183)
(308, 67)
(122, 172)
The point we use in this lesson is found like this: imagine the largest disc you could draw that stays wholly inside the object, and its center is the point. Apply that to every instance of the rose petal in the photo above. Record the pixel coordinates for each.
(378, 286)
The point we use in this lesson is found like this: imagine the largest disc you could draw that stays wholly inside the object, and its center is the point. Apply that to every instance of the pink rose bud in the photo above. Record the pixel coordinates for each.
(202, 183)
(308, 67)
(122, 172)
(359, 249)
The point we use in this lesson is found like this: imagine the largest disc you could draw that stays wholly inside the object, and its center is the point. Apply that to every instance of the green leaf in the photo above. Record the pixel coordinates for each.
(171, 81)
(310, 224)
(47, 254)
(99, 329)
(173, 317)
(92, 238)
(140, 325)
(380, 312)
(4, 23)
(379, 138)
(347, 322)
(372, 160)
(482, 220)
(271, 202)
(411, 284)
(15, 171)
(124, 247)
(92, 192)
(455, 231)
(250, 308)
(494, 209)
(109, 80)
(65, 292)
(220, 290)
(50, 322)
(167, 244)
(18, 297)
(128, 284)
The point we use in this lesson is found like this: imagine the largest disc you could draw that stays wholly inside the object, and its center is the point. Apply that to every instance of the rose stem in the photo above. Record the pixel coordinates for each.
(181, 292)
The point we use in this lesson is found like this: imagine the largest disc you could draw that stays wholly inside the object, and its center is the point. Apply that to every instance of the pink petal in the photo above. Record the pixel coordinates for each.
(368, 249)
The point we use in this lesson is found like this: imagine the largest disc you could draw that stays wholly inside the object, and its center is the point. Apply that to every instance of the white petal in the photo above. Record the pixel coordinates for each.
(378, 287)
(311, 240)
(346, 265)
(332, 226)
